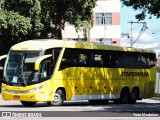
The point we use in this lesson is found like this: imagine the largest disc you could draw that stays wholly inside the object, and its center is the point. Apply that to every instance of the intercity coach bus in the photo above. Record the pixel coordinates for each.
(2, 62)
(54, 71)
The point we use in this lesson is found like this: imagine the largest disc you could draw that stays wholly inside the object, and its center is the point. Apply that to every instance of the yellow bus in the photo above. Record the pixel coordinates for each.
(54, 71)
(2, 62)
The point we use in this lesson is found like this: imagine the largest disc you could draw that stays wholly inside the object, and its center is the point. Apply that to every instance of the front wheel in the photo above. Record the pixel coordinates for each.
(28, 104)
(58, 98)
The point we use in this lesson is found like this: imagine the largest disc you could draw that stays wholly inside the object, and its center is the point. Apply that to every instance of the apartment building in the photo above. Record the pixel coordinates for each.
(106, 28)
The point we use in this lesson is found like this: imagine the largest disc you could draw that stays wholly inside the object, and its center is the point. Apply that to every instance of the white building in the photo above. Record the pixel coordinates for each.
(106, 28)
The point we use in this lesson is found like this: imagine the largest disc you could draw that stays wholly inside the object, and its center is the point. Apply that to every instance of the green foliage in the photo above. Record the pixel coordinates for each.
(14, 23)
(145, 6)
(31, 19)
(13, 26)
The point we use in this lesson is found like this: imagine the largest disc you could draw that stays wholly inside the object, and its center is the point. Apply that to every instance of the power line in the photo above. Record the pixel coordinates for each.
(141, 32)
(154, 31)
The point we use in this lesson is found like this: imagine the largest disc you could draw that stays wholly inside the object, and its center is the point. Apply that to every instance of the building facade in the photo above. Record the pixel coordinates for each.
(106, 27)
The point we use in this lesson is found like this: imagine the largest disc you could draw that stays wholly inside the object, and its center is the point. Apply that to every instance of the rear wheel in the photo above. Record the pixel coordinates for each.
(58, 98)
(28, 104)
(133, 97)
(124, 96)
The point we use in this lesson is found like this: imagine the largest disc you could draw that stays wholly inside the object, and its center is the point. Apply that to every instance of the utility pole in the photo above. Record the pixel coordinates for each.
(131, 22)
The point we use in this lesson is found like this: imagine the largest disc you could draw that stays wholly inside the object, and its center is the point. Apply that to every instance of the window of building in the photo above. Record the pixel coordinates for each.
(106, 41)
(77, 39)
(103, 18)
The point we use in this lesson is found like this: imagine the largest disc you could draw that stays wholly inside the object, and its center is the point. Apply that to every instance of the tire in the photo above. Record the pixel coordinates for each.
(124, 96)
(133, 97)
(28, 104)
(58, 98)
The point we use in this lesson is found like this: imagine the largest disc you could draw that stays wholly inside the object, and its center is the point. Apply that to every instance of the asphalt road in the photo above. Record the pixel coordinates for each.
(82, 109)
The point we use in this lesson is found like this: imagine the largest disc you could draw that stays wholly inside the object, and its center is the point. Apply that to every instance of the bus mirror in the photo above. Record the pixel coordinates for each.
(39, 60)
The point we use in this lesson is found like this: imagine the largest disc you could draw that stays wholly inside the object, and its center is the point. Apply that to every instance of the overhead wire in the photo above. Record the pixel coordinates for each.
(140, 33)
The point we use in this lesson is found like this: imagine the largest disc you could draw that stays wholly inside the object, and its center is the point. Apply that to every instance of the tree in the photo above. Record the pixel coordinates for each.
(32, 19)
(145, 6)
(13, 27)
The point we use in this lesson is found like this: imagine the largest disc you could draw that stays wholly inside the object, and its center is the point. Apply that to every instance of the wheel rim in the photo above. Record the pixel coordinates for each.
(56, 98)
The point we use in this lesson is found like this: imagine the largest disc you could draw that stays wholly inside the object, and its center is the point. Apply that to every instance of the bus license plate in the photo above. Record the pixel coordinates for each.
(16, 97)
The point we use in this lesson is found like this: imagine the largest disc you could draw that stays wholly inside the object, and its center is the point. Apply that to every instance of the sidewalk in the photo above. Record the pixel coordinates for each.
(156, 98)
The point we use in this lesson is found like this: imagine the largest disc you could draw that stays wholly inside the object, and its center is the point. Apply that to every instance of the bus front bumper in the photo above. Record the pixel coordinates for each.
(20, 97)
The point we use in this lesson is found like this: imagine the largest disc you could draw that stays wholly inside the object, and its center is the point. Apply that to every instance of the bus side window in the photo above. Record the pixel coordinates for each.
(98, 62)
(82, 59)
(129, 60)
(68, 59)
(116, 60)
(141, 62)
(151, 60)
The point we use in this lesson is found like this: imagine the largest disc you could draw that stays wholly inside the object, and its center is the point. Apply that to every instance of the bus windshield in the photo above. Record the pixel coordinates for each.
(19, 68)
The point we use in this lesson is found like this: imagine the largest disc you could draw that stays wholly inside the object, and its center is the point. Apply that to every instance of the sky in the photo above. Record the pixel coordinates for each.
(150, 38)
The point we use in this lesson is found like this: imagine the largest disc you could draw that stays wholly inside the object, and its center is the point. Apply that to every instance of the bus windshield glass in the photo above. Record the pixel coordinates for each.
(19, 68)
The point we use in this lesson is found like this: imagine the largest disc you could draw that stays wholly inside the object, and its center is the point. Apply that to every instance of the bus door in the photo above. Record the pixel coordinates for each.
(45, 72)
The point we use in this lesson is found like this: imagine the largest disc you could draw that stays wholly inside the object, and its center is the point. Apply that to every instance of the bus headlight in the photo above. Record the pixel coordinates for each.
(4, 89)
(34, 89)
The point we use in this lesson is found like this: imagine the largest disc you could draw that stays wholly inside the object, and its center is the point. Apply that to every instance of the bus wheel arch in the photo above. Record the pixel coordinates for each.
(134, 95)
(59, 97)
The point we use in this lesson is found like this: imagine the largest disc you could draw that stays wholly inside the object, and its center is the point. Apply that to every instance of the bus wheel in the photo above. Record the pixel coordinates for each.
(28, 104)
(124, 96)
(133, 97)
(58, 98)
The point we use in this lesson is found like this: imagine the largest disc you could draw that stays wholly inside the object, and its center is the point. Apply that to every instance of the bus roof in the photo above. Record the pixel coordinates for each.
(42, 44)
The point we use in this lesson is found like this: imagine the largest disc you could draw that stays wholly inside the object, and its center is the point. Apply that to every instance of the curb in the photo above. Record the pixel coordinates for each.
(156, 98)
